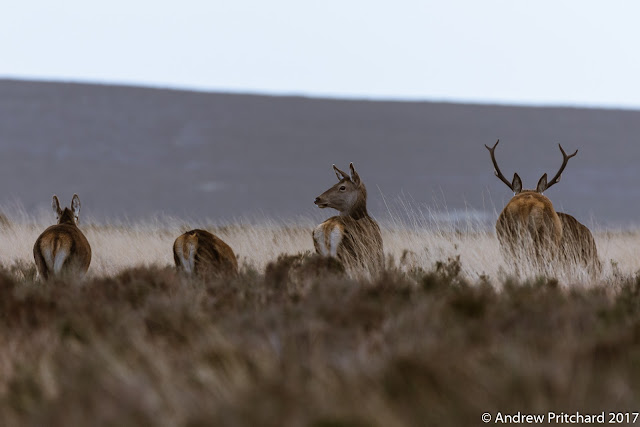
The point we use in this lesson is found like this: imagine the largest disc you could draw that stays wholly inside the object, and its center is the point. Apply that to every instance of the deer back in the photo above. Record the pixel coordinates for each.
(201, 253)
(532, 214)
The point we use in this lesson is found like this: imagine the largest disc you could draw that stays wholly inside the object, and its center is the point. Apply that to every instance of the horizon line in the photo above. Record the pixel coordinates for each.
(321, 95)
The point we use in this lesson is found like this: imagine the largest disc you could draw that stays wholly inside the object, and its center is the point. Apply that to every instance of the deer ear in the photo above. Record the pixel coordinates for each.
(75, 206)
(516, 184)
(55, 205)
(341, 175)
(337, 171)
(542, 184)
(354, 175)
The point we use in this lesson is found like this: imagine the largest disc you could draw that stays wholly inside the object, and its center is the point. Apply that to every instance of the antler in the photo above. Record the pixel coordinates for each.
(495, 165)
(565, 160)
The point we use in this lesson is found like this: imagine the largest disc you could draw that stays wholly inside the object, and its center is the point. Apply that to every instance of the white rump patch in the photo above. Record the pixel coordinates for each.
(47, 254)
(318, 236)
(191, 261)
(186, 260)
(58, 262)
(335, 240)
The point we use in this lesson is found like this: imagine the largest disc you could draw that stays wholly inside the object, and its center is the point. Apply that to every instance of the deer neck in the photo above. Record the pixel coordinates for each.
(358, 210)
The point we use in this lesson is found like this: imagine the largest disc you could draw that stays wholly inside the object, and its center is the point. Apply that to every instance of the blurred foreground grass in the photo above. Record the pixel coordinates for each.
(300, 343)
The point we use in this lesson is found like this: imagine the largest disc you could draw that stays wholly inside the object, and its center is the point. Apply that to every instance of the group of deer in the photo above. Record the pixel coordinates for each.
(63, 248)
(528, 225)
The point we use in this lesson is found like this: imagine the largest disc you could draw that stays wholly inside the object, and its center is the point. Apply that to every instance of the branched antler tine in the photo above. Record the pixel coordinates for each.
(565, 160)
(496, 169)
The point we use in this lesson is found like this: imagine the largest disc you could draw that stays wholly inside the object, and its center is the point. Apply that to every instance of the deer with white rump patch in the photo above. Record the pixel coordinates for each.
(200, 253)
(353, 237)
(62, 248)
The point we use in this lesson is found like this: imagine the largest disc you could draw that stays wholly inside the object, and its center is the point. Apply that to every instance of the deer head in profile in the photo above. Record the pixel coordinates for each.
(348, 196)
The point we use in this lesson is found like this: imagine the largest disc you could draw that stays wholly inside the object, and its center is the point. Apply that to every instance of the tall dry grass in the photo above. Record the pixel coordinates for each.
(412, 240)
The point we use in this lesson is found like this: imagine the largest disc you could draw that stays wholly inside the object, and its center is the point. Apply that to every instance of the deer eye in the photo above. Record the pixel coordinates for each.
(342, 188)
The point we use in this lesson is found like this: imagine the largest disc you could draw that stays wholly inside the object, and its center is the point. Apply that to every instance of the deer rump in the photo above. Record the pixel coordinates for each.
(202, 253)
(62, 248)
(540, 241)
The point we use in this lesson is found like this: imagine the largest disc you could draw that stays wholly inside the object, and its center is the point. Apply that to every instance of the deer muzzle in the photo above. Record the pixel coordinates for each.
(320, 203)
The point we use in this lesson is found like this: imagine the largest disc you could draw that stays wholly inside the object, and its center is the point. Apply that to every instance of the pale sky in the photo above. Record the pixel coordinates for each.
(554, 52)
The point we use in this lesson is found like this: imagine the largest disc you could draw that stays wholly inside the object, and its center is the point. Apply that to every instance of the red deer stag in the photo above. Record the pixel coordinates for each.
(529, 227)
(353, 237)
(62, 248)
(200, 253)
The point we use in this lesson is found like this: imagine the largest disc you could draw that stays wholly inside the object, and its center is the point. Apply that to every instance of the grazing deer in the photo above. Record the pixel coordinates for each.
(62, 248)
(353, 237)
(530, 226)
(200, 253)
